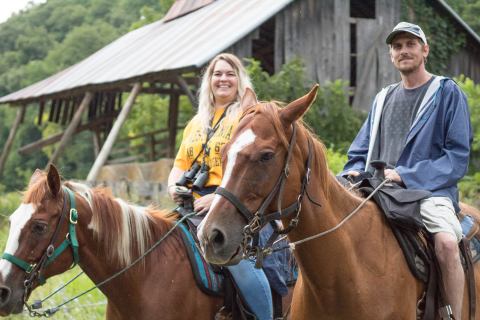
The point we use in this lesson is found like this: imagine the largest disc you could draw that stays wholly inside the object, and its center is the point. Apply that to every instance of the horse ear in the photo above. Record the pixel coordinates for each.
(249, 99)
(53, 179)
(294, 110)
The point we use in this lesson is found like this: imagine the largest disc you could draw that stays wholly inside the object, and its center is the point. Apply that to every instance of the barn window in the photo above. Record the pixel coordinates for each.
(362, 9)
(263, 46)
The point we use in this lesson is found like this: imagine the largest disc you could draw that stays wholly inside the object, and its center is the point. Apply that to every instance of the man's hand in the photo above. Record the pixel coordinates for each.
(202, 205)
(393, 175)
(353, 173)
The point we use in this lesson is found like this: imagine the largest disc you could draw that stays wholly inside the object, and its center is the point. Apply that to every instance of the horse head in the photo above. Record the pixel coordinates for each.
(261, 151)
(35, 231)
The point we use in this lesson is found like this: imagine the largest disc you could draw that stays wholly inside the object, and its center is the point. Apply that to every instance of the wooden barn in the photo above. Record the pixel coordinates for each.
(336, 39)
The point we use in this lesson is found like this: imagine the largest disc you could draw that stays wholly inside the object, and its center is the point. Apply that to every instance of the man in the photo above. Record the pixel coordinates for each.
(421, 128)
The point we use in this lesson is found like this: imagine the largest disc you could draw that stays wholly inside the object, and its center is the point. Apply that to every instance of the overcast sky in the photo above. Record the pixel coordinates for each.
(7, 7)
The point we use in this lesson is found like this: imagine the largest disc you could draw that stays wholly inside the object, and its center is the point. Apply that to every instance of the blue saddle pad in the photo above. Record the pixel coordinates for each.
(207, 279)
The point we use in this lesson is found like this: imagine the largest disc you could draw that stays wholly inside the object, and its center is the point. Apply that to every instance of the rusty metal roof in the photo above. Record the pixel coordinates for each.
(186, 42)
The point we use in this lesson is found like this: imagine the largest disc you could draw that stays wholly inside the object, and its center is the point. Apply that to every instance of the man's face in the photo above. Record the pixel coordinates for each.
(408, 53)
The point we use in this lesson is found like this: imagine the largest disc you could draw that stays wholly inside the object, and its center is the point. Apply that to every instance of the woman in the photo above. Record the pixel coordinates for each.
(223, 84)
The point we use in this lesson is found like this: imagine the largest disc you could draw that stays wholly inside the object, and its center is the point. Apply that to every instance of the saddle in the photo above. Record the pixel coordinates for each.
(215, 280)
(402, 209)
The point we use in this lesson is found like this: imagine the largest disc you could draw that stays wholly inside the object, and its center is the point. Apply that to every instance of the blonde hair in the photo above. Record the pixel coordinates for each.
(206, 100)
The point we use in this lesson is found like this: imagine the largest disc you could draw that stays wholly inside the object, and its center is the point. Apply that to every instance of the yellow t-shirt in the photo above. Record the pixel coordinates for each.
(194, 137)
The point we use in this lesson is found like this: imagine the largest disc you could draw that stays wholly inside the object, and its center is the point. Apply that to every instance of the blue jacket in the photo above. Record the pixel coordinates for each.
(437, 149)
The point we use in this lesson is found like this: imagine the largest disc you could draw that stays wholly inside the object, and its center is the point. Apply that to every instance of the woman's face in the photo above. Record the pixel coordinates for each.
(224, 83)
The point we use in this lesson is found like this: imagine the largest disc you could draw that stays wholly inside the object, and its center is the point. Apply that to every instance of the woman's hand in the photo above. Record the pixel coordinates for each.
(174, 195)
(202, 205)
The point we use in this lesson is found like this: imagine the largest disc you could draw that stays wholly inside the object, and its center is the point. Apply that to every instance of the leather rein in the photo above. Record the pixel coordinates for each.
(256, 221)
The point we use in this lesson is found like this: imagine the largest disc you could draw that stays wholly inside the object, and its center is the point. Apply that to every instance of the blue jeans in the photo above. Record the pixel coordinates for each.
(254, 288)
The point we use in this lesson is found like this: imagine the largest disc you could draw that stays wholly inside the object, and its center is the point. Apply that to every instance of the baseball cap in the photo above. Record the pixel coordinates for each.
(407, 27)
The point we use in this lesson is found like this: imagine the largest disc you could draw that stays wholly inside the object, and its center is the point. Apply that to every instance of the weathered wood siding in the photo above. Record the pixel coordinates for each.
(466, 62)
(318, 33)
(374, 67)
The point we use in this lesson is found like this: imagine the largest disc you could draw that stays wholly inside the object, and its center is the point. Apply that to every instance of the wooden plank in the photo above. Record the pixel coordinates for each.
(11, 136)
(66, 109)
(39, 144)
(96, 143)
(71, 127)
(40, 112)
(112, 136)
(58, 111)
(183, 84)
(51, 116)
(172, 124)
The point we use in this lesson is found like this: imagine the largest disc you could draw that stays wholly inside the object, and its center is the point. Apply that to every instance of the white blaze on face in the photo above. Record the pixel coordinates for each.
(243, 140)
(18, 220)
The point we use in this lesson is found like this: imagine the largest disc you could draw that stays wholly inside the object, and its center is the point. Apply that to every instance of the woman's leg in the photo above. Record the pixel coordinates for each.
(254, 288)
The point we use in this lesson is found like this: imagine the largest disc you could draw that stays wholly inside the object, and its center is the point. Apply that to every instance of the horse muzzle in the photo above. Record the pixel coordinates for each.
(10, 301)
(219, 249)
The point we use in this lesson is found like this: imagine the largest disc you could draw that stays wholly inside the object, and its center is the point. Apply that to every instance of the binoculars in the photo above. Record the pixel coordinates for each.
(197, 175)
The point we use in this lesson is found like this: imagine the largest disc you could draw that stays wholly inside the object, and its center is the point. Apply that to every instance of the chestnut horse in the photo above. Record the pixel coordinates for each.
(358, 270)
(111, 234)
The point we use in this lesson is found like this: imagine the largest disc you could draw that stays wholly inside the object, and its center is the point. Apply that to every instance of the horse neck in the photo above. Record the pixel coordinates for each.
(336, 203)
(95, 262)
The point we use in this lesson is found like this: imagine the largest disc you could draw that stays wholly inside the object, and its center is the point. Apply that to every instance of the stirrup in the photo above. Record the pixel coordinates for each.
(446, 312)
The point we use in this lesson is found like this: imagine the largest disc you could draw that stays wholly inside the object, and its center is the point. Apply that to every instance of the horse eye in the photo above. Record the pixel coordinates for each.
(266, 156)
(39, 228)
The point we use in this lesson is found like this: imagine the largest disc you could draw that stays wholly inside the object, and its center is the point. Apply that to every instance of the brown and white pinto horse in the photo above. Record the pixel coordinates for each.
(111, 234)
(356, 272)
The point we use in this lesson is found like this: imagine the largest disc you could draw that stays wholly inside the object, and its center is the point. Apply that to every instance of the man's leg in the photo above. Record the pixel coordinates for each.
(448, 255)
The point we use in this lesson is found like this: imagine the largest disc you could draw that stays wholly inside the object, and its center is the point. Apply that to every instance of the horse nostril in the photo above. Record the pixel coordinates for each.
(217, 239)
(4, 295)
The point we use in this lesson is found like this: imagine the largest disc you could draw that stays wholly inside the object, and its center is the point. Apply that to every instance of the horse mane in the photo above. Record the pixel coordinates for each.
(319, 163)
(126, 231)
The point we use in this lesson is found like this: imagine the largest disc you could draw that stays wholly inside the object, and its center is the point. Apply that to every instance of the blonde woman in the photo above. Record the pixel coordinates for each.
(223, 84)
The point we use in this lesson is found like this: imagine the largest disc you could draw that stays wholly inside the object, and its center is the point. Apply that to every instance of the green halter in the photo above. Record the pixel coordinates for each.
(51, 254)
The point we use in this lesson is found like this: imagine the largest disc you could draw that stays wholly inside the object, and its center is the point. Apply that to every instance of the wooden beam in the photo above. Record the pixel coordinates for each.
(172, 124)
(39, 144)
(11, 137)
(96, 143)
(71, 128)
(40, 112)
(112, 136)
(183, 84)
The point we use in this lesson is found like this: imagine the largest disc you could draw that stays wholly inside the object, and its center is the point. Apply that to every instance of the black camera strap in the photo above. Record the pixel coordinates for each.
(210, 134)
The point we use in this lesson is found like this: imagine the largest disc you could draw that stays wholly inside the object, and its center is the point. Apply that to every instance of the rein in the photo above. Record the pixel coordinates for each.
(49, 312)
(292, 245)
(256, 221)
(33, 270)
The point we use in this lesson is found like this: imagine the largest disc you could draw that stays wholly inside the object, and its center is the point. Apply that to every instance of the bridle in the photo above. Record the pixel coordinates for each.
(33, 271)
(256, 221)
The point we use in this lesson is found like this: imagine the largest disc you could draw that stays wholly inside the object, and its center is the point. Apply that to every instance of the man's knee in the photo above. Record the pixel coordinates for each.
(446, 247)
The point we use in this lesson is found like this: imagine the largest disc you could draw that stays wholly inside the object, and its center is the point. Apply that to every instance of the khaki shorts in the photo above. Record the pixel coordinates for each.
(438, 215)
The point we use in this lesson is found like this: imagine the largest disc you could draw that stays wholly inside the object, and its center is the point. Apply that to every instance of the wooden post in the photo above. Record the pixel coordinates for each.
(172, 124)
(112, 136)
(96, 143)
(11, 137)
(71, 127)
(184, 85)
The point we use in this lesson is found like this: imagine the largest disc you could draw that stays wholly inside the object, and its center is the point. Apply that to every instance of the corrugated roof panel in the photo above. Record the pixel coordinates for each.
(188, 41)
